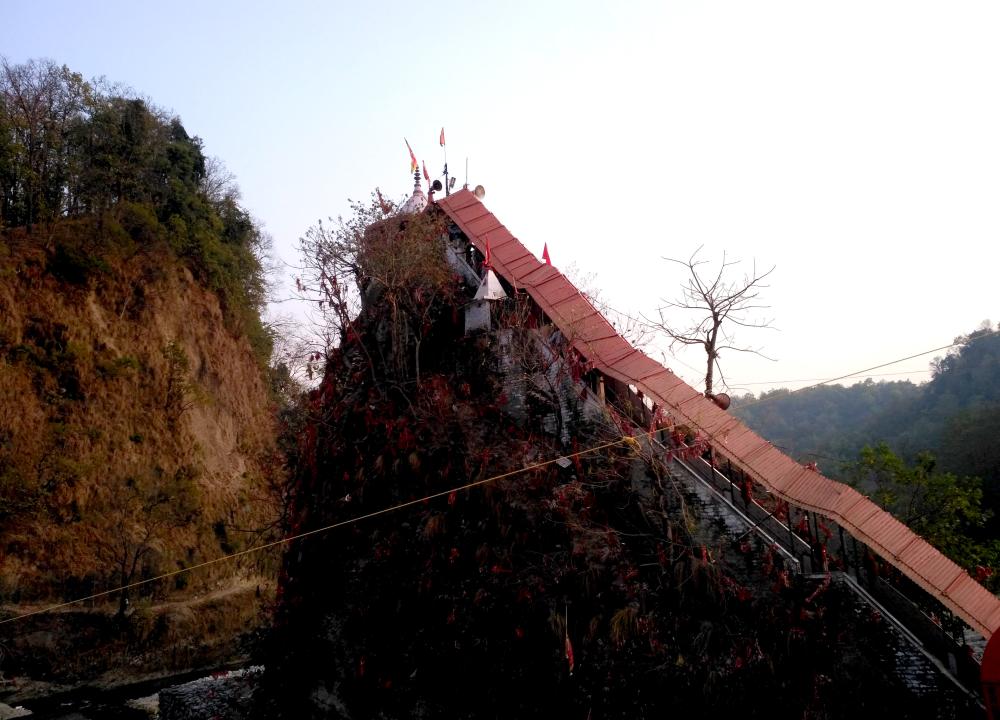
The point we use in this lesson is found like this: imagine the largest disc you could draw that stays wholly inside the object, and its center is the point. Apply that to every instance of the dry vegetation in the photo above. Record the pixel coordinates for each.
(136, 434)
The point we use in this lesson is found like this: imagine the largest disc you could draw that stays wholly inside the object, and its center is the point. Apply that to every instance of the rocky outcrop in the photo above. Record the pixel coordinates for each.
(224, 696)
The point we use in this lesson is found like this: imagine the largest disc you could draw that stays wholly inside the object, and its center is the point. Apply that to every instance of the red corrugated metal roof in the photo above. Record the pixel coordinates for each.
(595, 339)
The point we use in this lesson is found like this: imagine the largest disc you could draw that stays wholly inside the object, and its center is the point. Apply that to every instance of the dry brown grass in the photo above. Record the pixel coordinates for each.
(83, 381)
(86, 644)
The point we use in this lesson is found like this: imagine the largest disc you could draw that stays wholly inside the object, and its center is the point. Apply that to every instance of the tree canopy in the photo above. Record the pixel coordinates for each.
(72, 148)
(943, 508)
(834, 422)
(927, 453)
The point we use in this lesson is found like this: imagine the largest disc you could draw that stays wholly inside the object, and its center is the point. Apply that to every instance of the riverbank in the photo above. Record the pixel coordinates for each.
(80, 655)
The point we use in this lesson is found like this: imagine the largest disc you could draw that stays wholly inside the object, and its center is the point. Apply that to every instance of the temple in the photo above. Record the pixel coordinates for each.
(821, 524)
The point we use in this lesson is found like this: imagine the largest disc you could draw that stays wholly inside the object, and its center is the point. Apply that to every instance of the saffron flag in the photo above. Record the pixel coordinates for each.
(569, 654)
(442, 137)
(427, 177)
(545, 254)
(486, 262)
(413, 158)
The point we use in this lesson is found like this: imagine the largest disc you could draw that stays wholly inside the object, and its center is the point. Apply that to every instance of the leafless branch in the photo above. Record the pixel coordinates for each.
(716, 301)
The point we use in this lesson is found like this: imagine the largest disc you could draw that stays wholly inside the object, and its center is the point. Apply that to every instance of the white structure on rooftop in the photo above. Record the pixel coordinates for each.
(478, 317)
(417, 201)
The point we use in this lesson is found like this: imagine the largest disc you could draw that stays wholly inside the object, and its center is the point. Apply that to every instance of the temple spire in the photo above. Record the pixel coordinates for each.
(418, 200)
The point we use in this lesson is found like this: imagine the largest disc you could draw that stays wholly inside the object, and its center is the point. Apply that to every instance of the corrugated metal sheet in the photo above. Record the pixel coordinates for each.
(597, 341)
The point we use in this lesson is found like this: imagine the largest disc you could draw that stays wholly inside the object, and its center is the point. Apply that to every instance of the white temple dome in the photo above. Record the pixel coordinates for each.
(417, 201)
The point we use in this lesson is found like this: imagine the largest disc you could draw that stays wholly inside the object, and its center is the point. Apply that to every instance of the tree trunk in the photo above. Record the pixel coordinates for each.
(123, 595)
(416, 353)
(711, 339)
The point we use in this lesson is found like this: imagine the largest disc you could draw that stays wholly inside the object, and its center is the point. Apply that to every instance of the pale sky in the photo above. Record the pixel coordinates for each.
(854, 145)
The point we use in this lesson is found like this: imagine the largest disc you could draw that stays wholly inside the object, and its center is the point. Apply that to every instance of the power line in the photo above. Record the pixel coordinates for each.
(653, 326)
(779, 382)
(842, 377)
(789, 451)
(629, 439)
(257, 548)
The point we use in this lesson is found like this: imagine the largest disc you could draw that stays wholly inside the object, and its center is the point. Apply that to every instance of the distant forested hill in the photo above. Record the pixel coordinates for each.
(955, 415)
(824, 422)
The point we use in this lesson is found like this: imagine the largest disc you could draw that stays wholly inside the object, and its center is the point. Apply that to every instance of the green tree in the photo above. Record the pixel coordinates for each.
(71, 148)
(969, 447)
(944, 509)
(40, 103)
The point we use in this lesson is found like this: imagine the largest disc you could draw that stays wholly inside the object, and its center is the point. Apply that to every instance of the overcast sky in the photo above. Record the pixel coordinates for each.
(853, 145)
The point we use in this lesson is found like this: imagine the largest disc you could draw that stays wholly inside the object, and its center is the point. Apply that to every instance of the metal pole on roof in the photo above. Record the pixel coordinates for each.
(791, 535)
(814, 540)
(447, 187)
(843, 549)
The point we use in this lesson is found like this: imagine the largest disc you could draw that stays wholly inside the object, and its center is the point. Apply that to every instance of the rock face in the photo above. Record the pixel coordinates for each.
(8, 713)
(136, 432)
(226, 696)
(107, 385)
(595, 586)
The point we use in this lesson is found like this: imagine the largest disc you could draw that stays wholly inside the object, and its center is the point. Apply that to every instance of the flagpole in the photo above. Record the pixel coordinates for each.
(444, 146)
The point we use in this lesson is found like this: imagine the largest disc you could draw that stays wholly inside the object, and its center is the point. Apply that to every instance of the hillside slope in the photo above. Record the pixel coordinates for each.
(137, 432)
(137, 427)
(594, 586)
(833, 423)
(108, 388)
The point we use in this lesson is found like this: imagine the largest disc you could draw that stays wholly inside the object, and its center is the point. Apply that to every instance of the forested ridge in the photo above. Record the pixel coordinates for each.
(832, 423)
(926, 452)
(77, 149)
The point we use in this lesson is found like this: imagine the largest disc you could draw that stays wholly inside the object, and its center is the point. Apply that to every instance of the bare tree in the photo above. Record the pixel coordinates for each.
(377, 259)
(132, 525)
(219, 182)
(712, 301)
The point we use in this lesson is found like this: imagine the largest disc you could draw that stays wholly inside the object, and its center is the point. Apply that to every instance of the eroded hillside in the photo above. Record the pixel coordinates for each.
(108, 389)
(137, 430)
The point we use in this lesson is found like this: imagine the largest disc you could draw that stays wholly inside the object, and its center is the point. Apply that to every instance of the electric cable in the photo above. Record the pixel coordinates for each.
(652, 326)
(631, 439)
(736, 383)
(626, 439)
(842, 377)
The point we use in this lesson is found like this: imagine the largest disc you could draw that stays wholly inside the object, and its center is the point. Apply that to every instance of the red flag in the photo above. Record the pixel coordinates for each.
(486, 262)
(413, 158)
(442, 137)
(545, 254)
(569, 653)
(426, 176)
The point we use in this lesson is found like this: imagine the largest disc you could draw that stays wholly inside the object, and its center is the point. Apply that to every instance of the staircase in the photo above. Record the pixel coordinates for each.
(928, 659)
